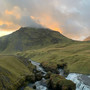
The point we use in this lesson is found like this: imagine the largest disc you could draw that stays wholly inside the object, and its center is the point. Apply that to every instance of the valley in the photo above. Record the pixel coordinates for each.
(51, 50)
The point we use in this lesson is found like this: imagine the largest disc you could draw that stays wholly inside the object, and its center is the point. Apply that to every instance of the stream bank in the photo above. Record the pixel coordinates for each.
(82, 81)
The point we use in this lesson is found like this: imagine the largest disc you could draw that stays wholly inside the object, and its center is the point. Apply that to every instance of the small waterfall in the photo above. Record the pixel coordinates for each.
(82, 81)
(38, 67)
(61, 71)
(41, 85)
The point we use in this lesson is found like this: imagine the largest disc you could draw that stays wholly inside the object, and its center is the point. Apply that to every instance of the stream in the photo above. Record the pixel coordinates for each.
(82, 81)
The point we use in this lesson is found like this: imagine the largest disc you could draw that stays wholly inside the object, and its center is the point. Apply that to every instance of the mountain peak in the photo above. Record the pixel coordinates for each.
(30, 38)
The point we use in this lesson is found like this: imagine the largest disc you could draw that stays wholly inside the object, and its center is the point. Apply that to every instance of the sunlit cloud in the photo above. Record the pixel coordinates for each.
(8, 26)
(68, 17)
(14, 12)
(48, 22)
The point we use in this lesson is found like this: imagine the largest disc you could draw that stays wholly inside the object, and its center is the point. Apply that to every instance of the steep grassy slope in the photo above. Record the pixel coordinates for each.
(30, 38)
(76, 55)
(13, 71)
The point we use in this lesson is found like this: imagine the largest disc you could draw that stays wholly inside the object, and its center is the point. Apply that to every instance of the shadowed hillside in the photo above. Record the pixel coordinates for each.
(30, 38)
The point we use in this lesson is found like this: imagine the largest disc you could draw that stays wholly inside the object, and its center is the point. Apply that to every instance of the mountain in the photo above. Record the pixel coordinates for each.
(27, 38)
(87, 39)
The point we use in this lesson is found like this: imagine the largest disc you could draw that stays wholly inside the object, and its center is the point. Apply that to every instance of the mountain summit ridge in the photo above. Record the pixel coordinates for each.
(30, 38)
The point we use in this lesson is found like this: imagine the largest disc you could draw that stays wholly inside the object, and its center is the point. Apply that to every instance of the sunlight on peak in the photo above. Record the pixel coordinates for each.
(3, 33)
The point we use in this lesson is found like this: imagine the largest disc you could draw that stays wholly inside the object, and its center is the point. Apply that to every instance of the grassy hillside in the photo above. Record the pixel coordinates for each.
(13, 71)
(30, 38)
(76, 55)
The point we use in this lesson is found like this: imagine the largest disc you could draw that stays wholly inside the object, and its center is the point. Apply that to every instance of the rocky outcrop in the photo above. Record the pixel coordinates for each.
(47, 76)
(57, 82)
(38, 76)
(50, 67)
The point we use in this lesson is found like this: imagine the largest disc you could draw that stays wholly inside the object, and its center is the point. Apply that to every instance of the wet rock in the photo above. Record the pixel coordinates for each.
(66, 72)
(47, 76)
(36, 71)
(62, 65)
(30, 78)
(85, 79)
(34, 86)
(38, 76)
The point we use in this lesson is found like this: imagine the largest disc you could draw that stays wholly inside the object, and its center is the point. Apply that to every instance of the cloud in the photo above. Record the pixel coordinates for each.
(70, 17)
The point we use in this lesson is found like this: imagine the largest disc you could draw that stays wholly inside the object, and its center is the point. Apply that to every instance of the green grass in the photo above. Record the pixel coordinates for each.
(28, 88)
(76, 55)
(30, 38)
(12, 72)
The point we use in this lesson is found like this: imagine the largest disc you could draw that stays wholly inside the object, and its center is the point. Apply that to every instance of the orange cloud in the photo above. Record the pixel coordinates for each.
(1, 23)
(15, 12)
(5, 22)
(8, 12)
(8, 26)
(47, 21)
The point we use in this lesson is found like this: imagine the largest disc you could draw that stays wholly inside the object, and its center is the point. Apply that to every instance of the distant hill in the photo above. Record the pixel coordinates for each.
(75, 55)
(30, 38)
(87, 39)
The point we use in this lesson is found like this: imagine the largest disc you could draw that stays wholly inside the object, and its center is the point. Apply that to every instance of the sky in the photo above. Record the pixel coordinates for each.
(69, 17)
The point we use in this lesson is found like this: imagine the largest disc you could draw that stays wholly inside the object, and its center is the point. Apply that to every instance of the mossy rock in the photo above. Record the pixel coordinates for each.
(50, 66)
(28, 88)
(38, 76)
(47, 76)
(66, 72)
(57, 82)
(30, 78)
(62, 65)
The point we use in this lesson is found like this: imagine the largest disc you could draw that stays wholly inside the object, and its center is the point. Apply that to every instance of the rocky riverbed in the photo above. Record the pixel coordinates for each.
(48, 82)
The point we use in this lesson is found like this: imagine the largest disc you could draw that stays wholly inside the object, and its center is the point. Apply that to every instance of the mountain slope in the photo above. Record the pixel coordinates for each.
(87, 39)
(13, 71)
(30, 38)
(75, 55)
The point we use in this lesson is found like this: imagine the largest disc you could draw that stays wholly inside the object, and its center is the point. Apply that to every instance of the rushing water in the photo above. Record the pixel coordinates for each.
(38, 67)
(40, 85)
(82, 81)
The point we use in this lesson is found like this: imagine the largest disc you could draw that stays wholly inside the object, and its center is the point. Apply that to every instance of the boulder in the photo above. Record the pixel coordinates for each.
(38, 76)
(57, 82)
(47, 76)
(30, 78)
(50, 66)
